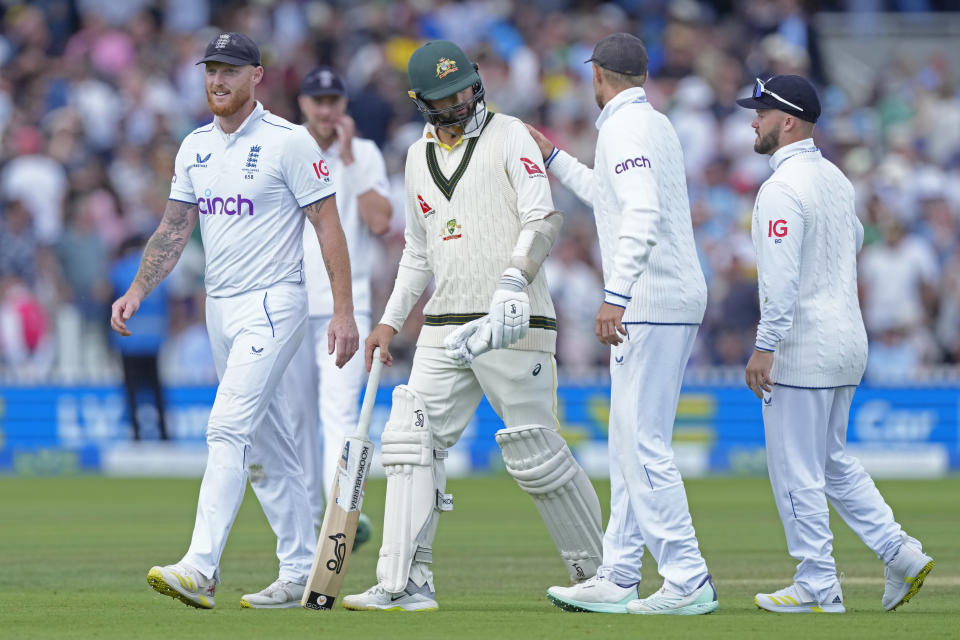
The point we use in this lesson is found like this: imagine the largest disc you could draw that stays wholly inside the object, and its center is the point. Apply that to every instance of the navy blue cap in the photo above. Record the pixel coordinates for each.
(232, 48)
(323, 81)
(791, 94)
(621, 52)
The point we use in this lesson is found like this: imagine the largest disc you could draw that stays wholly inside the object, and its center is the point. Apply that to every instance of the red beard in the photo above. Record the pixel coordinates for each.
(237, 99)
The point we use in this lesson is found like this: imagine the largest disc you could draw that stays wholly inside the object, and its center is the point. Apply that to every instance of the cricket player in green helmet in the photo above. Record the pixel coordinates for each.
(480, 222)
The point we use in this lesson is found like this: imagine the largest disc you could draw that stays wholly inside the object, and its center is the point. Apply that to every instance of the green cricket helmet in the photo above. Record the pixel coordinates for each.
(440, 69)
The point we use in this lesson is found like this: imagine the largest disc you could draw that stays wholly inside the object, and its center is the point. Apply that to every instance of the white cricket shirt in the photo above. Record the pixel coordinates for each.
(367, 172)
(249, 187)
(806, 235)
(638, 191)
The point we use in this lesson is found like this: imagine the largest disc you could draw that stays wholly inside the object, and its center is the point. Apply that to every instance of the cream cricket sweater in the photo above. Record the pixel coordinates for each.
(638, 191)
(464, 208)
(806, 235)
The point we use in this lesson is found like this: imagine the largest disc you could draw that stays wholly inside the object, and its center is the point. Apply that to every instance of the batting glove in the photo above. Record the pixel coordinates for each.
(469, 341)
(509, 310)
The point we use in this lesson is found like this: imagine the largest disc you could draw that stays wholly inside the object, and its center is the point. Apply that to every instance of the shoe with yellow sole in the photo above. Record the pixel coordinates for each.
(184, 583)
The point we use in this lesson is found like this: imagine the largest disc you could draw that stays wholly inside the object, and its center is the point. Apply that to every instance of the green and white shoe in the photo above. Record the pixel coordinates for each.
(595, 595)
(665, 602)
(364, 531)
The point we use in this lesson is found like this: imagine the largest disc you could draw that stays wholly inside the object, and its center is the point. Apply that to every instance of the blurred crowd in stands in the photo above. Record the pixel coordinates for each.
(95, 96)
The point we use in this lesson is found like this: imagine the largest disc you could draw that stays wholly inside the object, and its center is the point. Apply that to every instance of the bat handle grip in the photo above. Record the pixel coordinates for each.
(370, 395)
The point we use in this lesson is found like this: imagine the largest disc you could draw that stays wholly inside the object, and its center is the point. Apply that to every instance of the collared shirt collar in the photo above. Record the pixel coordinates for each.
(627, 96)
(786, 152)
(430, 131)
(255, 115)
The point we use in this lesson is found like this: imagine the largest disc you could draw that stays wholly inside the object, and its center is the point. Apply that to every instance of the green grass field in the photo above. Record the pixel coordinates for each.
(74, 553)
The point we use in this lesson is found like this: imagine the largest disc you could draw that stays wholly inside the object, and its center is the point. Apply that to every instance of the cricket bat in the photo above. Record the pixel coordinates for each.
(339, 528)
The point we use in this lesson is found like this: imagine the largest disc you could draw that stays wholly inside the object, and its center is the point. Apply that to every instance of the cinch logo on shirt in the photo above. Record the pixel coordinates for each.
(778, 229)
(232, 206)
(630, 163)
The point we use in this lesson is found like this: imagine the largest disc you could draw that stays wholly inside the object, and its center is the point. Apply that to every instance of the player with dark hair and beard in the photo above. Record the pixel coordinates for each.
(480, 221)
(810, 355)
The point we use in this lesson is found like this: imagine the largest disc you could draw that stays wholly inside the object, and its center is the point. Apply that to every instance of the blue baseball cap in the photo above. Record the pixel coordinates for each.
(232, 48)
(323, 81)
(791, 94)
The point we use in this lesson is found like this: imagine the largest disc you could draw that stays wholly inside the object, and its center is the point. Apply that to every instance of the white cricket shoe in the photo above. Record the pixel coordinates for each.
(796, 599)
(279, 595)
(905, 575)
(665, 602)
(596, 595)
(413, 598)
(184, 583)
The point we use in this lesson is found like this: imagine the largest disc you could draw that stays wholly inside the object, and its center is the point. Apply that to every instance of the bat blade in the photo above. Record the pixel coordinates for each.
(339, 529)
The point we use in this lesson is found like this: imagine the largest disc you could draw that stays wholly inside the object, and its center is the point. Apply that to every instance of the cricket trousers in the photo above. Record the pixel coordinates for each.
(253, 336)
(648, 502)
(520, 385)
(325, 404)
(806, 440)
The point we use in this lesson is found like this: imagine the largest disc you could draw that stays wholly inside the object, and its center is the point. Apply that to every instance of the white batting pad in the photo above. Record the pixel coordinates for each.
(415, 490)
(540, 461)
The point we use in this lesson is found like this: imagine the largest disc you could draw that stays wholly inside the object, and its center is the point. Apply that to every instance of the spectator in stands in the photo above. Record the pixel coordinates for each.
(898, 280)
(139, 351)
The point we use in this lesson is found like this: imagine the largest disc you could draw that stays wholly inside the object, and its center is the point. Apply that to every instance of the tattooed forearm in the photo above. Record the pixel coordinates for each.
(165, 245)
(325, 219)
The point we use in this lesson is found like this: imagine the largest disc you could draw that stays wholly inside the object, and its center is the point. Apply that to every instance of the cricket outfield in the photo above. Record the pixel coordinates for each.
(74, 553)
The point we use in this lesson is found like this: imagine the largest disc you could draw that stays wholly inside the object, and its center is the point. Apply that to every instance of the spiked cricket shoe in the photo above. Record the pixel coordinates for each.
(666, 602)
(905, 575)
(795, 599)
(596, 595)
(279, 595)
(184, 583)
(413, 598)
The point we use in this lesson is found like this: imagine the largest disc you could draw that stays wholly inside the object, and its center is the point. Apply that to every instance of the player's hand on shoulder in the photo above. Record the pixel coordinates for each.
(546, 147)
(381, 336)
(343, 337)
(122, 310)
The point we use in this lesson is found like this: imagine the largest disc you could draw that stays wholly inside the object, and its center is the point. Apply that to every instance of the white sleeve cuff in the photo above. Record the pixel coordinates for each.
(618, 291)
(560, 162)
(765, 343)
(551, 157)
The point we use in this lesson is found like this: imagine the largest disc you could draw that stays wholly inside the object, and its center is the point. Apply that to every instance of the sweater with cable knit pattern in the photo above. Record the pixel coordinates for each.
(638, 191)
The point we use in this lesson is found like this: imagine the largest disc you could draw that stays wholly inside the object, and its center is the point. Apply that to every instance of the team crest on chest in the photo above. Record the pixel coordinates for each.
(424, 207)
(445, 67)
(250, 167)
(451, 230)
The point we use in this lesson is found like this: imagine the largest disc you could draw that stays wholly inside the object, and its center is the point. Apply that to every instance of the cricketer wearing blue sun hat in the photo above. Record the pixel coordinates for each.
(793, 95)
